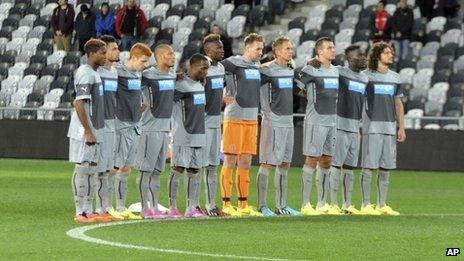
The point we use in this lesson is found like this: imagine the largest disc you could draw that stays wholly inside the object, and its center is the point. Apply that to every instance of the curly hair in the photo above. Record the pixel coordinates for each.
(374, 55)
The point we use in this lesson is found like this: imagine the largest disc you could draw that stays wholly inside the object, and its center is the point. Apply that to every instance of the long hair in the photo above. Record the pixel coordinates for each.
(374, 55)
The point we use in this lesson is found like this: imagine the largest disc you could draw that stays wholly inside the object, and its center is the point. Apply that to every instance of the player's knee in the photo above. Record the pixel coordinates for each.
(125, 169)
(311, 161)
(325, 161)
(230, 161)
(178, 169)
(192, 170)
(348, 167)
(284, 165)
(266, 166)
(244, 161)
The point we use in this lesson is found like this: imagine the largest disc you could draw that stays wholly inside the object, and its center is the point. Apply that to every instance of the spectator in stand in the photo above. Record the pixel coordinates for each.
(104, 23)
(380, 24)
(448, 8)
(426, 8)
(402, 22)
(84, 26)
(131, 23)
(62, 23)
(226, 41)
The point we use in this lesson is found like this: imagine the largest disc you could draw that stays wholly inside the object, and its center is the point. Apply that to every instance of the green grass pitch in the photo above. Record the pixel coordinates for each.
(37, 209)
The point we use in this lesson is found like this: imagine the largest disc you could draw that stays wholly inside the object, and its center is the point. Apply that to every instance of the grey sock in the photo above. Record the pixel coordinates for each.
(280, 184)
(191, 188)
(307, 180)
(366, 178)
(155, 186)
(81, 188)
(383, 180)
(111, 177)
(102, 199)
(210, 186)
(347, 185)
(143, 184)
(173, 185)
(322, 185)
(334, 175)
(92, 179)
(196, 198)
(121, 191)
(262, 186)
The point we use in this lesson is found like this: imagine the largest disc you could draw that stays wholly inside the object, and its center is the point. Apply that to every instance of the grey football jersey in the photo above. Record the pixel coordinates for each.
(243, 81)
(188, 116)
(213, 92)
(128, 97)
(277, 94)
(351, 97)
(88, 87)
(109, 77)
(158, 92)
(321, 86)
(380, 115)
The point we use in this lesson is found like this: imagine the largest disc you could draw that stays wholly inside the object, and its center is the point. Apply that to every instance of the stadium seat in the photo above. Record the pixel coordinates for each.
(458, 65)
(297, 22)
(305, 48)
(418, 94)
(431, 48)
(180, 39)
(436, 24)
(193, 10)
(28, 20)
(67, 70)
(236, 27)
(43, 21)
(42, 85)
(441, 76)
(433, 36)
(12, 21)
(34, 69)
(451, 36)
(9, 57)
(258, 15)
(426, 62)
(448, 49)
(56, 57)
(177, 10)
(6, 31)
(340, 59)
(433, 108)
(313, 23)
(190, 49)
(165, 35)
(294, 35)
(171, 22)
(62, 115)
(362, 35)
(203, 22)
(438, 92)
(423, 78)
(241, 10)
(311, 35)
(51, 69)
(187, 22)
(211, 4)
(160, 10)
(34, 9)
(17, 69)
(46, 45)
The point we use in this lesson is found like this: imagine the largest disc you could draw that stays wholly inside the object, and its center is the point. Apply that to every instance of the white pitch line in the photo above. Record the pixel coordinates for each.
(79, 233)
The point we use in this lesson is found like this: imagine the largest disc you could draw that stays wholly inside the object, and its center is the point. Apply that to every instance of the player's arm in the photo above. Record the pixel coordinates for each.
(229, 80)
(401, 137)
(83, 95)
(302, 79)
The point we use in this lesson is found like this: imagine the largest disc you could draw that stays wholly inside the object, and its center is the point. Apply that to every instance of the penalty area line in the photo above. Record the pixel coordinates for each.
(79, 233)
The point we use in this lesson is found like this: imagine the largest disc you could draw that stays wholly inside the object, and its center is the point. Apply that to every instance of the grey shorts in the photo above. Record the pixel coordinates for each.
(151, 153)
(213, 146)
(188, 157)
(318, 140)
(126, 147)
(109, 140)
(346, 149)
(378, 150)
(80, 153)
(275, 144)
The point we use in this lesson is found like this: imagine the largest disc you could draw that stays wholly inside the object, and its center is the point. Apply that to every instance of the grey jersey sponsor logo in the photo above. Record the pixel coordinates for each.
(243, 81)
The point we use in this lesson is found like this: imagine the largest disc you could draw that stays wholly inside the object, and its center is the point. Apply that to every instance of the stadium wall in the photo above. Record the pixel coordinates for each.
(438, 150)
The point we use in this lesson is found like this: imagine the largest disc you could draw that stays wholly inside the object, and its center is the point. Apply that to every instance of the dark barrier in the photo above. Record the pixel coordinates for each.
(424, 149)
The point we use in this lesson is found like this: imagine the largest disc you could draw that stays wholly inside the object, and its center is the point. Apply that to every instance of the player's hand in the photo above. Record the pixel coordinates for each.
(302, 93)
(401, 137)
(90, 138)
(398, 34)
(144, 106)
(58, 32)
(228, 99)
(315, 63)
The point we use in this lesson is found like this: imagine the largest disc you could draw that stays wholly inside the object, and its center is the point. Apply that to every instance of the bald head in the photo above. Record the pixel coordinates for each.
(165, 57)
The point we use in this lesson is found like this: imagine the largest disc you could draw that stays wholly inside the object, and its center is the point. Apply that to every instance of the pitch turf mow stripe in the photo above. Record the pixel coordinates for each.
(79, 233)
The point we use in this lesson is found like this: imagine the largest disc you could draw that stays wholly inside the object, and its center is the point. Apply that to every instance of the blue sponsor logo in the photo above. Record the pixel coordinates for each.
(386, 89)
(217, 83)
(100, 89)
(285, 83)
(133, 84)
(199, 99)
(110, 85)
(252, 74)
(166, 85)
(356, 87)
(330, 83)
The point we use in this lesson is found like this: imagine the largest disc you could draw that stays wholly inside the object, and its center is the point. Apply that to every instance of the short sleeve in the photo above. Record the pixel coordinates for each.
(228, 66)
(83, 85)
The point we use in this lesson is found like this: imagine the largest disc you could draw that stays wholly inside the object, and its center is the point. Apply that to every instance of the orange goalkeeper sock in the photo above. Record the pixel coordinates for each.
(226, 185)
(243, 184)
